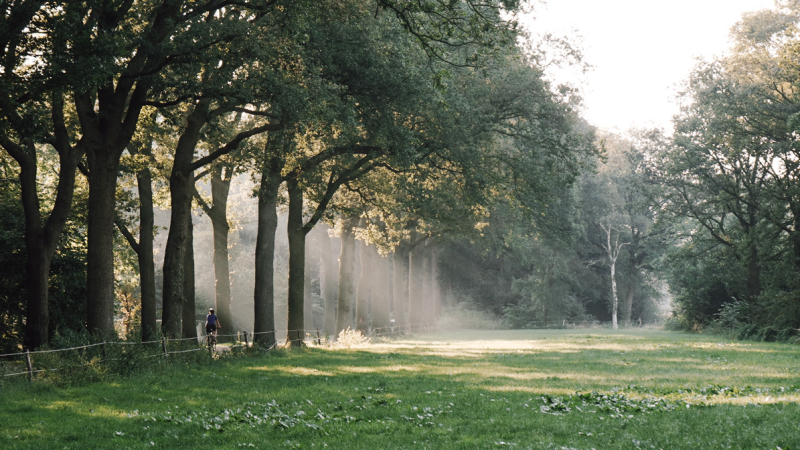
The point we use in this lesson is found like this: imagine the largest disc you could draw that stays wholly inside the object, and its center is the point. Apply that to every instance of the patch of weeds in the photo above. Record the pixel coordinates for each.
(714, 390)
(252, 414)
(615, 405)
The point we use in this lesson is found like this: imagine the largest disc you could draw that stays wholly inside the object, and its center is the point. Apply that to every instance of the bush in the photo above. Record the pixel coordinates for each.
(350, 338)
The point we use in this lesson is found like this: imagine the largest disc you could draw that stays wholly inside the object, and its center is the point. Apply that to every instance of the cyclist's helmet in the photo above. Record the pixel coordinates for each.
(211, 310)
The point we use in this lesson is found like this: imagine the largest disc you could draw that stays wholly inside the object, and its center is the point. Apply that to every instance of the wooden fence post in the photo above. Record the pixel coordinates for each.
(246, 344)
(164, 345)
(30, 365)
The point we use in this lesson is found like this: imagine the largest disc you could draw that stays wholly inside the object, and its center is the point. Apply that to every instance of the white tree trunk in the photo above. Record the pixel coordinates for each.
(615, 302)
(613, 252)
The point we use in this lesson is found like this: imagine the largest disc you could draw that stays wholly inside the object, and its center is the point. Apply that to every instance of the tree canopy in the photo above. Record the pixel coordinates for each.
(423, 140)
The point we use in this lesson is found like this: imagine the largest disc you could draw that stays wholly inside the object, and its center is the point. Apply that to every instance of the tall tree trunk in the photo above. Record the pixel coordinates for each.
(218, 213)
(108, 118)
(308, 304)
(37, 318)
(175, 254)
(795, 235)
(614, 300)
(264, 292)
(188, 321)
(436, 292)
(416, 280)
(39, 258)
(427, 285)
(633, 267)
(181, 189)
(381, 293)
(612, 251)
(297, 253)
(41, 240)
(364, 291)
(753, 267)
(328, 283)
(103, 169)
(347, 287)
(144, 252)
(400, 285)
(627, 306)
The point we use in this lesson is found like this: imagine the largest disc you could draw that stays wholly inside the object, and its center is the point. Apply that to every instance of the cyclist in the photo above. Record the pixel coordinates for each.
(212, 323)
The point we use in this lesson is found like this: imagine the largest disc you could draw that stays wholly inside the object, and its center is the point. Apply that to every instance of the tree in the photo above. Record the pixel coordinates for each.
(110, 56)
(730, 171)
(34, 115)
(144, 246)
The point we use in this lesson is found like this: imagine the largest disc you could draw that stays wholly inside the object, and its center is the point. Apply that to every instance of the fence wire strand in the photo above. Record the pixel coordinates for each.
(292, 336)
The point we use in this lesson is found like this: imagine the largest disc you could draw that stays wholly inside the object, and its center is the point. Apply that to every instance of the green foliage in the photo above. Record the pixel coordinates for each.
(729, 185)
(12, 266)
(702, 284)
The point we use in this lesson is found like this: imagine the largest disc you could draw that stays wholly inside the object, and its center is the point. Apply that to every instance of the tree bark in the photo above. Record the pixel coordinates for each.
(381, 294)
(400, 285)
(634, 261)
(181, 189)
(416, 280)
(753, 268)
(627, 306)
(612, 251)
(218, 213)
(436, 292)
(427, 285)
(188, 325)
(615, 303)
(103, 169)
(144, 252)
(39, 258)
(297, 250)
(41, 240)
(795, 235)
(308, 304)
(364, 291)
(328, 283)
(347, 286)
(264, 295)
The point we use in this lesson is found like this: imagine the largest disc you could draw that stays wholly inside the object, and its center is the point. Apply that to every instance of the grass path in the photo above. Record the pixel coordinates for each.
(554, 389)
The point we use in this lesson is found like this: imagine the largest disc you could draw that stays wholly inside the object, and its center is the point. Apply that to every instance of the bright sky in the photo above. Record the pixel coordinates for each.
(640, 50)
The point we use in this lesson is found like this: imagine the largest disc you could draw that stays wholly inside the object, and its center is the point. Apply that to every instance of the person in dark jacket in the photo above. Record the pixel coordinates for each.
(212, 322)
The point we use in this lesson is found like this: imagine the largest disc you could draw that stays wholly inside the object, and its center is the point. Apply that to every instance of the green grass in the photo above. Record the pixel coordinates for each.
(573, 389)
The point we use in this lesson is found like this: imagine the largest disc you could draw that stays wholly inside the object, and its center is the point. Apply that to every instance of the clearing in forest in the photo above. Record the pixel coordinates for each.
(575, 389)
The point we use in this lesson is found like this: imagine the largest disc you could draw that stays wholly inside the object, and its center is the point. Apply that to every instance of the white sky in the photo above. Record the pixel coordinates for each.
(640, 50)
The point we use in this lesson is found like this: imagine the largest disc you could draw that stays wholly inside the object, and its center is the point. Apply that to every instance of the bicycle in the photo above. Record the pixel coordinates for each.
(211, 341)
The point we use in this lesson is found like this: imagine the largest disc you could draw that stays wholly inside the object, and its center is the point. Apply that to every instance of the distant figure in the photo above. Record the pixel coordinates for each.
(212, 322)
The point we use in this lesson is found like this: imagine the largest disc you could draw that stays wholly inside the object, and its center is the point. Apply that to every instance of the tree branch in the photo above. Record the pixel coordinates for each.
(232, 145)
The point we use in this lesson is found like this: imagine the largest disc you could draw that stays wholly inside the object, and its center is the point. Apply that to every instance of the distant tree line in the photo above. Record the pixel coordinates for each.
(708, 216)
(729, 192)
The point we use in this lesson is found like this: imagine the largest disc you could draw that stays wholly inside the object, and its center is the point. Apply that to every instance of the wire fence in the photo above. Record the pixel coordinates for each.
(35, 362)
(50, 360)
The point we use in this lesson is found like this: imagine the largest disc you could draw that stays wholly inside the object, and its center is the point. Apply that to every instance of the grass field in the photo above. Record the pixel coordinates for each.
(555, 389)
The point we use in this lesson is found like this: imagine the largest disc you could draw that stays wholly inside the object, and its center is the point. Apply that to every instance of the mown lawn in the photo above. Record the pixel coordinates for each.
(572, 389)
